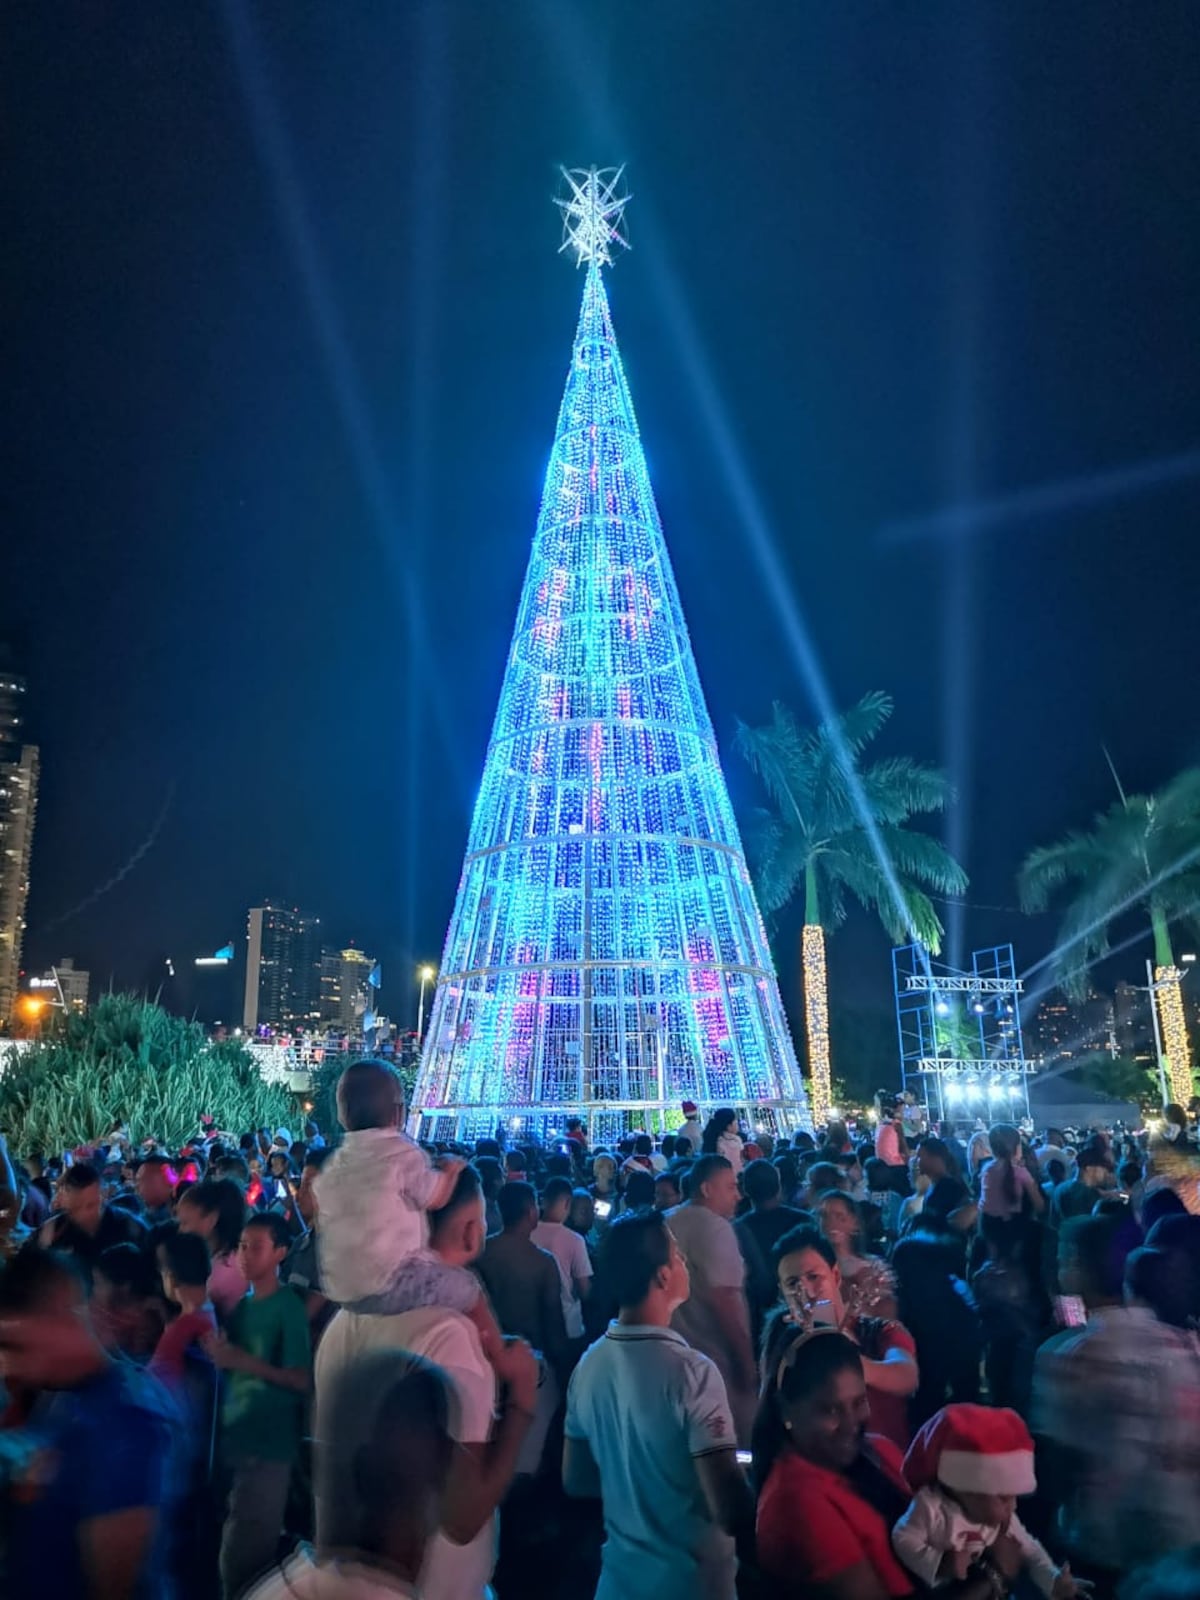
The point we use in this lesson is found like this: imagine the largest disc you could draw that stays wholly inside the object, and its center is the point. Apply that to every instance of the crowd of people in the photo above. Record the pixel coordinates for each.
(693, 1364)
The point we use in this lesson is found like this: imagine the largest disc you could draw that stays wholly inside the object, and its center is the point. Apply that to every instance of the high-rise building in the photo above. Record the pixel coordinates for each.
(1066, 1029)
(605, 957)
(283, 968)
(303, 1011)
(65, 986)
(353, 989)
(1131, 1018)
(1051, 1027)
(74, 984)
(18, 809)
(331, 986)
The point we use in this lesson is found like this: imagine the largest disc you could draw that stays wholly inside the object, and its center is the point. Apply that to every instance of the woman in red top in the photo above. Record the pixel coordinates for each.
(811, 1286)
(829, 1494)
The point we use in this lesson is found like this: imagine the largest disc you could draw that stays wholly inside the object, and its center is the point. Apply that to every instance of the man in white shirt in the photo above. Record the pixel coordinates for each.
(462, 1556)
(691, 1130)
(649, 1432)
(716, 1316)
(568, 1249)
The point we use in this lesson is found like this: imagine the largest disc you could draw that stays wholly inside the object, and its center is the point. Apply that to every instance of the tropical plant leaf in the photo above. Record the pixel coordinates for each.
(833, 816)
(127, 1058)
(1140, 857)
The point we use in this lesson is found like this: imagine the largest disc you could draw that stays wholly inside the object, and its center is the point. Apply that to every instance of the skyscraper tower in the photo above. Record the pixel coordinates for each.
(18, 809)
(606, 957)
(283, 968)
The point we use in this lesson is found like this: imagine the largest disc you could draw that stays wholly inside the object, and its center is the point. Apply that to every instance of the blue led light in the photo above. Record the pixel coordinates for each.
(606, 956)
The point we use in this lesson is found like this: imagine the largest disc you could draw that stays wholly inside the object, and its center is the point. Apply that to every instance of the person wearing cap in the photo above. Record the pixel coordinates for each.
(967, 1466)
(691, 1130)
(1078, 1195)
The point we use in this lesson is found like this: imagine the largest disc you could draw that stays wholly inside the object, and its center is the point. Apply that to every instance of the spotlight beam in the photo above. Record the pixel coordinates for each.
(1045, 500)
(275, 152)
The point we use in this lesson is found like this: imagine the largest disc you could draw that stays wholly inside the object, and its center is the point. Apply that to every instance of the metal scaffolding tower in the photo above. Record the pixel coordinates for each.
(961, 1049)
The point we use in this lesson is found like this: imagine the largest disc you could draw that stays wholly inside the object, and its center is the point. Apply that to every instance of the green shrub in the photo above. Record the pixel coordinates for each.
(130, 1060)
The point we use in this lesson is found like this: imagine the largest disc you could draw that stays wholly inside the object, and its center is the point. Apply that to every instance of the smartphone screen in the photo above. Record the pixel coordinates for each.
(1069, 1311)
(603, 1207)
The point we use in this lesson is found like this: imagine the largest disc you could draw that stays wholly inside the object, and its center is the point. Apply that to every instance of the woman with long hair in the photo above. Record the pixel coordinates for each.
(944, 1193)
(868, 1283)
(216, 1210)
(1008, 1191)
(721, 1138)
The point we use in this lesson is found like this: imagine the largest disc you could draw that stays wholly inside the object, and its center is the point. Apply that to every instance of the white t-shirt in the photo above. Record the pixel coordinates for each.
(715, 1261)
(373, 1193)
(302, 1578)
(731, 1147)
(935, 1524)
(574, 1268)
(447, 1338)
(646, 1405)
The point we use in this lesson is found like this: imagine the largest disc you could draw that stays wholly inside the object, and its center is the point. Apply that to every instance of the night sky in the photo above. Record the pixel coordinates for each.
(285, 336)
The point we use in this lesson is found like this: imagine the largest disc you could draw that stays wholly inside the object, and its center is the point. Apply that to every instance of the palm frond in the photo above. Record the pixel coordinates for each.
(862, 875)
(923, 859)
(776, 753)
(1078, 856)
(836, 747)
(863, 721)
(924, 921)
(1177, 803)
(898, 788)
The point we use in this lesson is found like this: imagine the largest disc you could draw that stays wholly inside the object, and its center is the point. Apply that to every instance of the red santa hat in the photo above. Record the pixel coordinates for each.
(689, 1108)
(975, 1449)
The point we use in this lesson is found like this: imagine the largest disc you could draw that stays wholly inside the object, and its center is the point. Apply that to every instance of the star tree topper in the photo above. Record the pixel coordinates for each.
(592, 214)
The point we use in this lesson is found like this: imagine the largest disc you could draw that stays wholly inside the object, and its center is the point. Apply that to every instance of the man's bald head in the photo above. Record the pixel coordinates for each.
(370, 1095)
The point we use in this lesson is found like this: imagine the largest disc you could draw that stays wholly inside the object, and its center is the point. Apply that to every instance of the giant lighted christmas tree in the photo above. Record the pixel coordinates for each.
(606, 957)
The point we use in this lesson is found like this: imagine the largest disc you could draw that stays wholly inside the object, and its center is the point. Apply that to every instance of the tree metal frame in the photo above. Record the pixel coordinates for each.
(606, 957)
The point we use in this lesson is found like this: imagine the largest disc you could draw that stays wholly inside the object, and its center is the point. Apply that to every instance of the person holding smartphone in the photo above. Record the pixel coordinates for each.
(811, 1289)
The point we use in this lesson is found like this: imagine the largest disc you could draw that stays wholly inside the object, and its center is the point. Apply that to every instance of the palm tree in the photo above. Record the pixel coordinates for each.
(1140, 856)
(837, 828)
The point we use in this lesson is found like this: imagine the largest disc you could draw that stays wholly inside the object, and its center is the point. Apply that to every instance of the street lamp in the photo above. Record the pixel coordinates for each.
(32, 1009)
(426, 975)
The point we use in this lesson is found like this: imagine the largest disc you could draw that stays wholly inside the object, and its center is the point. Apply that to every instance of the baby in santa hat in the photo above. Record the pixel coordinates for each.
(966, 1467)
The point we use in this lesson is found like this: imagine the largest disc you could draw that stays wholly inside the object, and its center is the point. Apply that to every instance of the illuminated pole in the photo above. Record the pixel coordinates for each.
(816, 1022)
(1152, 991)
(1168, 996)
(426, 975)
